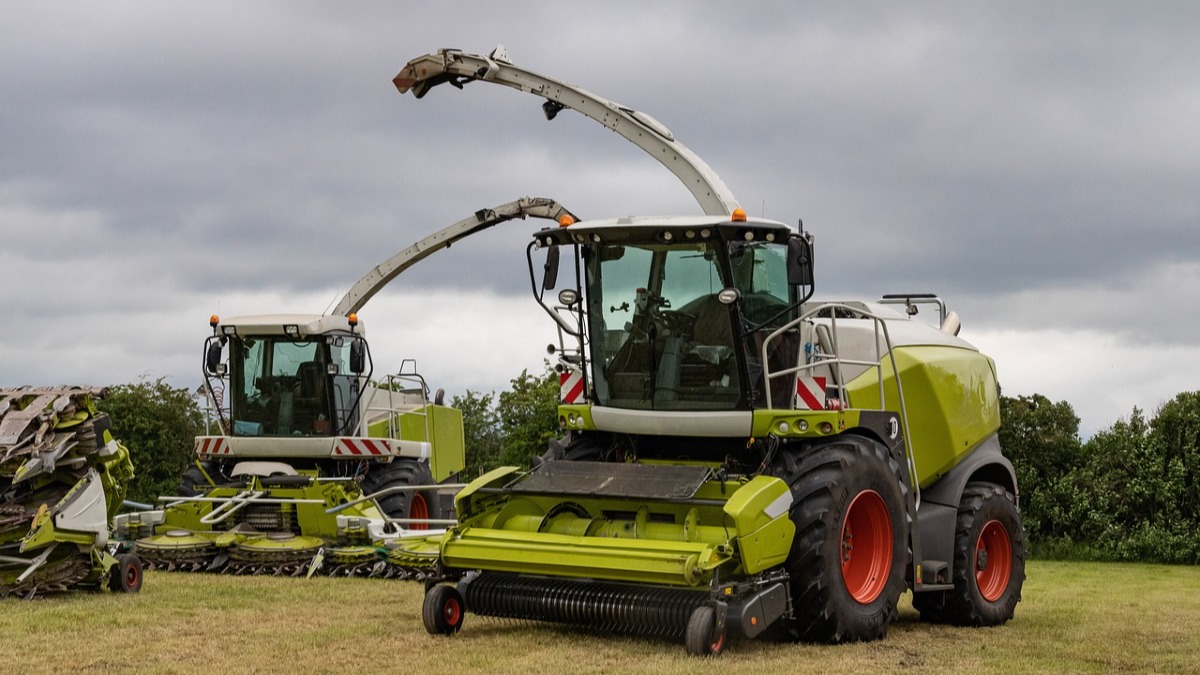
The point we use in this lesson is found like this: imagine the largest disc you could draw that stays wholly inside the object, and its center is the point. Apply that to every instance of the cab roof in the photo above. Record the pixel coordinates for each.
(274, 324)
(665, 229)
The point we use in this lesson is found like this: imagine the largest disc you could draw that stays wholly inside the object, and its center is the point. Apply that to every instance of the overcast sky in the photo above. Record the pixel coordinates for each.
(1036, 164)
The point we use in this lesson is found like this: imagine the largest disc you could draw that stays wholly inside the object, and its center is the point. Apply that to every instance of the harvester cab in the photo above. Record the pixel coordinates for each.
(292, 376)
(671, 314)
(738, 458)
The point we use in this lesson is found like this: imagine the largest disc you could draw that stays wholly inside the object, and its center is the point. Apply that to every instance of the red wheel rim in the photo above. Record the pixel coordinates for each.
(418, 509)
(866, 547)
(717, 643)
(452, 612)
(993, 560)
(131, 576)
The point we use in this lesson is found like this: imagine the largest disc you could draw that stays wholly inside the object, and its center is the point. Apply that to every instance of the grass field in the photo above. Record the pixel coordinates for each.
(1075, 617)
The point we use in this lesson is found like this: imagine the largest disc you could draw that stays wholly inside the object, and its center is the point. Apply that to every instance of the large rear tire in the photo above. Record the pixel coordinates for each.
(989, 562)
(418, 504)
(848, 558)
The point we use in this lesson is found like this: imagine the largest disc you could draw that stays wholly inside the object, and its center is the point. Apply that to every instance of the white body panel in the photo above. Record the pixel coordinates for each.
(716, 423)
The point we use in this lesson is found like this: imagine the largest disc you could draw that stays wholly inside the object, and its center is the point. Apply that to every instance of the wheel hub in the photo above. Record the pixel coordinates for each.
(993, 560)
(866, 547)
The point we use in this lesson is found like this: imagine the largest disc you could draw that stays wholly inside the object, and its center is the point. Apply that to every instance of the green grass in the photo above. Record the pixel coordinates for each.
(1075, 617)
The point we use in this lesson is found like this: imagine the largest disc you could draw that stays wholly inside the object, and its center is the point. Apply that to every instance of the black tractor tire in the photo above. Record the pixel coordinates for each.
(194, 483)
(405, 504)
(577, 447)
(443, 610)
(701, 637)
(851, 548)
(126, 575)
(989, 562)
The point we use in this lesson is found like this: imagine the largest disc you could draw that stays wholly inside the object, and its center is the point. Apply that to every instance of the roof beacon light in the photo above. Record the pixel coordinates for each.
(353, 319)
(565, 220)
(738, 216)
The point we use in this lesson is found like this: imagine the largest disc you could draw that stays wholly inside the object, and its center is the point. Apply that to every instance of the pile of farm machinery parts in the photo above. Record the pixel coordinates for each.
(314, 467)
(62, 477)
(739, 459)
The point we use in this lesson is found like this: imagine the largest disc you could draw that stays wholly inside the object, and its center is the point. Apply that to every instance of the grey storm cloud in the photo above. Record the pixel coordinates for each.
(1034, 163)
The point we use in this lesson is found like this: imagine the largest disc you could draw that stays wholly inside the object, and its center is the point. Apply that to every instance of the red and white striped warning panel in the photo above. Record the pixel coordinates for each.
(570, 386)
(810, 393)
(206, 446)
(361, 447)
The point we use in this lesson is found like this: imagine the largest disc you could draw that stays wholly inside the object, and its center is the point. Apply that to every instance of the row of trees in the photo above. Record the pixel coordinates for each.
(1131, 492)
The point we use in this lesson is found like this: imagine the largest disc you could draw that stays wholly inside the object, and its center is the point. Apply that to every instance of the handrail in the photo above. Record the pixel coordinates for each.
(393, 410)
(231, 505)
(391, 491)
(835, 362)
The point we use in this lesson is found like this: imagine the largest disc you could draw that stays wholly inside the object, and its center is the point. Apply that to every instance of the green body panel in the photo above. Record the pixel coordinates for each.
(742, 527)
(952, 399)
(759, 510)
(448, 453)
(810, 424)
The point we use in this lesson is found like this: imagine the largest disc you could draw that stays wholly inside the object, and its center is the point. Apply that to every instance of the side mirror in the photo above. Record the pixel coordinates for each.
(212, 358)
(550, 269)
(358, 357)
(800, 261)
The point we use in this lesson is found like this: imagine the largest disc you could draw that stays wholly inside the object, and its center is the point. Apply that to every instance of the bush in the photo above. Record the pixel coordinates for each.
(158, 423)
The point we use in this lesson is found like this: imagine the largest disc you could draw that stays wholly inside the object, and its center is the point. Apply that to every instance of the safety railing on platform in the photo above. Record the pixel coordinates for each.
(396, 404)
(819, 334)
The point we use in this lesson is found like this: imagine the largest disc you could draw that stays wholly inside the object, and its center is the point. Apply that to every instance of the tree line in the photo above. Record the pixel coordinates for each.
(1131, 492)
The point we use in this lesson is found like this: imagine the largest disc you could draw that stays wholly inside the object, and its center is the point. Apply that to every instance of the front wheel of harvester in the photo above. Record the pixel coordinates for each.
(126, 575)
(702, 637)
(989, 562)
(443, 610)
(415, 504)
(850, 550)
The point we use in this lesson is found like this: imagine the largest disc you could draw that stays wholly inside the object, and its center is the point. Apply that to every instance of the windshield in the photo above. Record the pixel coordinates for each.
(760, 275)
(660, 338)
(286, 387)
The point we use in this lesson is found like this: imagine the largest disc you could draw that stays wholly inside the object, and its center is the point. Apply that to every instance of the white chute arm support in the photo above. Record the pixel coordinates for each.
(377, 278)
(457, 68)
